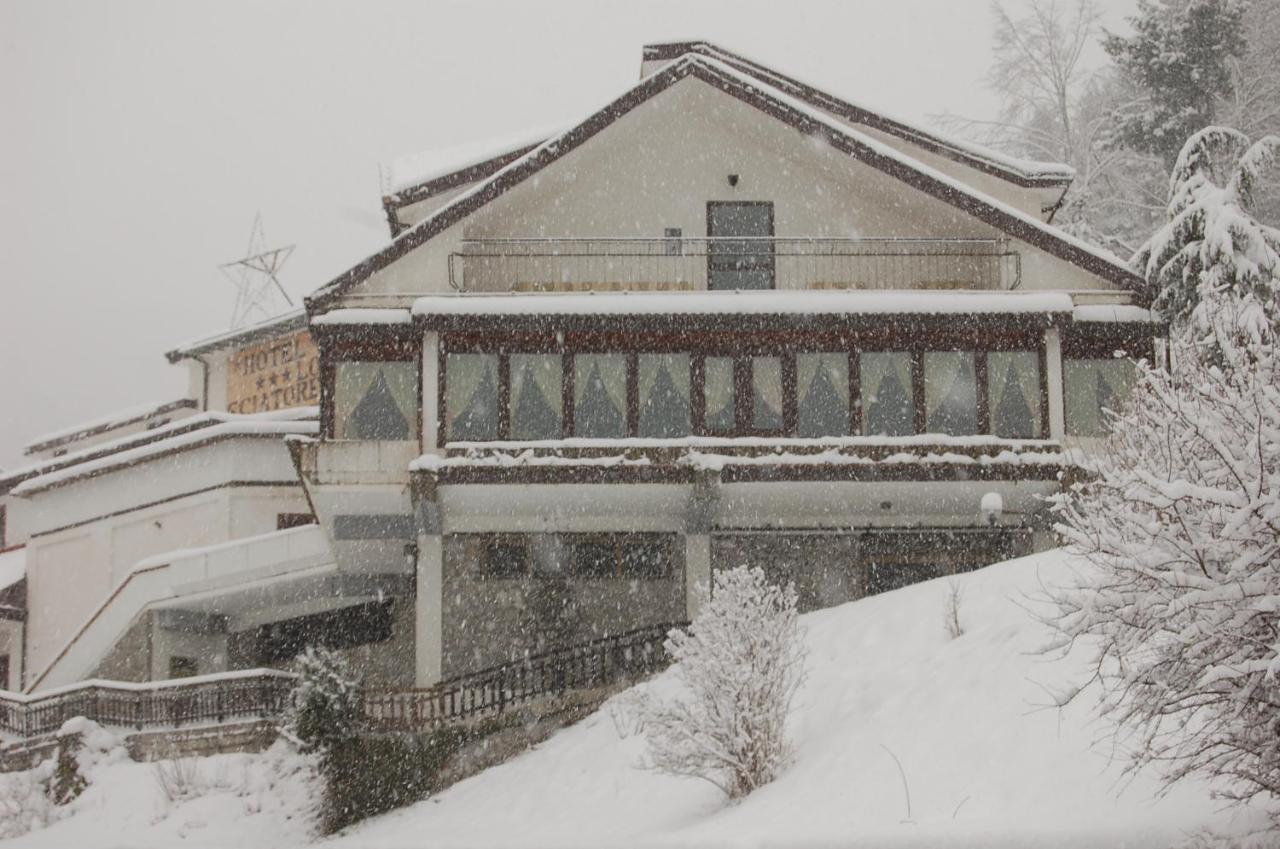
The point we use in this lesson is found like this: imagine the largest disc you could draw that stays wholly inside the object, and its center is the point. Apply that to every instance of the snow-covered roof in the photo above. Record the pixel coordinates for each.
(764, 302)
(426, 166)
(108, 422)
(779, 104)
(1115, 313)
(963, 150)
(137, 447)
(13, 567)
(364, 315)
(283, 323)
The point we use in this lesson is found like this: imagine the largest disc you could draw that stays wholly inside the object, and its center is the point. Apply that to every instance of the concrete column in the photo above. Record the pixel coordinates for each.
(704, 503)
(430, 391)
(428, 624)
(1053, 382)
(428, 608)
(697, 569)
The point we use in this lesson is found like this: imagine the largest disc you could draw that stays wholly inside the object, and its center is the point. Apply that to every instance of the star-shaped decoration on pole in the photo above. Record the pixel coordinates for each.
(256, 278)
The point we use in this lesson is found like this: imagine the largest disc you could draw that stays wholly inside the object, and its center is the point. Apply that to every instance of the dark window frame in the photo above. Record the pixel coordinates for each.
(740, 348)
(345, 351)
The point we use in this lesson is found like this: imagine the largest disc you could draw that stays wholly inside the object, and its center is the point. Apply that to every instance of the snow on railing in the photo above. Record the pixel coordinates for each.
(492, 691)
(677, 263)
(206, 699)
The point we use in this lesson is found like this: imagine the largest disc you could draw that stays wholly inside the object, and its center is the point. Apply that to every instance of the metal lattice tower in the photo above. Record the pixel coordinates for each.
(256, 278)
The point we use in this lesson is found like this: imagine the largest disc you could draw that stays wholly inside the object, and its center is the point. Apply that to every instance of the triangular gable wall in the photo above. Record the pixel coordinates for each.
(792, 112)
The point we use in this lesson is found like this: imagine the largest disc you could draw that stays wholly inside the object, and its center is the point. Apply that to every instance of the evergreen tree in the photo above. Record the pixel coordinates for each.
(1179, 61)
(1212, 245)
(326, 707)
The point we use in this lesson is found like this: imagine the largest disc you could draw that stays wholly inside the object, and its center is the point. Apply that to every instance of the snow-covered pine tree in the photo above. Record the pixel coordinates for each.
(1181, 519)
(1178, 61)
(1212, 244)
(740, 663)
(325, 706)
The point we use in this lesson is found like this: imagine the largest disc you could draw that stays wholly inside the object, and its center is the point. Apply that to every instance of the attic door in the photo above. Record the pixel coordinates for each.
(740, 247)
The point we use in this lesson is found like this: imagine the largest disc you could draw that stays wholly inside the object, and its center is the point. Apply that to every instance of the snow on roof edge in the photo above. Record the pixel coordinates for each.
(227, 338)
(764, 302)
(1029, 168)
(109, 421)
(336, 284)
(412, 170)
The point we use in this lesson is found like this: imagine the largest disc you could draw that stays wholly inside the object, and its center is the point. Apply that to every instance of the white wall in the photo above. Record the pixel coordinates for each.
(659, 165)
(195, 498)
(11, 645)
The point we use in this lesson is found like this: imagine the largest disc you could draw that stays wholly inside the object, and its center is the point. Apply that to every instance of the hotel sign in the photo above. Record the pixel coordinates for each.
(282, 372)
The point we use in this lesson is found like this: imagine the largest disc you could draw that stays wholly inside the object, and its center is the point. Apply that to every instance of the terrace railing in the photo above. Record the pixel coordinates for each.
(266, 693)
(492, 691)
(676, 264)
(207, 700)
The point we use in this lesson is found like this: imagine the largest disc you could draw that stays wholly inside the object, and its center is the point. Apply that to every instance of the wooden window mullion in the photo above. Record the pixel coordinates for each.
(855, 393)
(633, 394)
(504, 396)
(982, 399)
(917, 389)
(566, 394)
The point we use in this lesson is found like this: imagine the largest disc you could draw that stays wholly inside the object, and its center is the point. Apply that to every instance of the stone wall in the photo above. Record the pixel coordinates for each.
(830, 568)
(488, 621)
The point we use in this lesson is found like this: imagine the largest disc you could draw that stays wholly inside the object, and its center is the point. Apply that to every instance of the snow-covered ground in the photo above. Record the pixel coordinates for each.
(986, 763)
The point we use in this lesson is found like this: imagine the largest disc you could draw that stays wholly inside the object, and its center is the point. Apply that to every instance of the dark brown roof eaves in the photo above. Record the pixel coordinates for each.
(703, 69)
(171, 406)
(470, 174)
(293, 320)
(858, 114)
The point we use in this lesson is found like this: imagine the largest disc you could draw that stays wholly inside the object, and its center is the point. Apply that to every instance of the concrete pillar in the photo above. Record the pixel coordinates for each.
(428, 609)
(704, 502)
(428, 624)
(697, 569)
(1053, 382)
(430, 392)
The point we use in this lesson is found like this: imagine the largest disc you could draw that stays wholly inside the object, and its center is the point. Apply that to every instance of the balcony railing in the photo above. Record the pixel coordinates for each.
(676, 264)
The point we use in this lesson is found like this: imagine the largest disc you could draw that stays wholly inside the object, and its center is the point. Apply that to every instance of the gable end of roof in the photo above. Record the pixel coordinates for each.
(731, 81)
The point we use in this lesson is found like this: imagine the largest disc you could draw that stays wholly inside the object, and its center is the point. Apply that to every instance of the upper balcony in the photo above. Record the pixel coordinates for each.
(680, 264)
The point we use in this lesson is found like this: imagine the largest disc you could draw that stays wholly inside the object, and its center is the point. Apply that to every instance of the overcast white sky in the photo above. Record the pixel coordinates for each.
(140, 138)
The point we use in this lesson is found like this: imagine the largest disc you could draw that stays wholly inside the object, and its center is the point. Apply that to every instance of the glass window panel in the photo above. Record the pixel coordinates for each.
(504, 559)
(664, 395)
(471, 397)
(718, 389)
(537, 400)
(950, 393)
(1013, 391)
(375, 400)
(594, 558)
(600, 395)
(1093, 386)
(766, 393)
(822, 394)
(888, 402)
(645, 556)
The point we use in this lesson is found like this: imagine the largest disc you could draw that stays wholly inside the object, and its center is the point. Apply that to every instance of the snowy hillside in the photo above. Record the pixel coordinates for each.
(986, 764)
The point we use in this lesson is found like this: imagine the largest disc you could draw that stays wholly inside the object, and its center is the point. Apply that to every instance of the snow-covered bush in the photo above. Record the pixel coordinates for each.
(1212, 244)
(739, 664)
(1181, 517)
(24, 801)
(325, 707)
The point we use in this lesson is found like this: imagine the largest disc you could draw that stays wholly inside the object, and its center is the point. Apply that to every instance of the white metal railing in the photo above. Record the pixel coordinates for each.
(675, 264)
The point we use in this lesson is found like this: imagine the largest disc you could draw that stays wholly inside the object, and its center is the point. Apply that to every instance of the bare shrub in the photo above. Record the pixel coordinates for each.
(740, 663)
(951, 609)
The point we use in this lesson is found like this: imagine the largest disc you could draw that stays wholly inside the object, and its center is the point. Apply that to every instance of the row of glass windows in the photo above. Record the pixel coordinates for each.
(378, 400)
(628, 556)
(825, 399)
